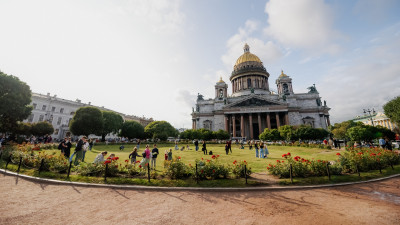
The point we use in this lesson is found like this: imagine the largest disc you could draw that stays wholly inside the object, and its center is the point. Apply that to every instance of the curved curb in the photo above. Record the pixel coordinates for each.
(205, 189)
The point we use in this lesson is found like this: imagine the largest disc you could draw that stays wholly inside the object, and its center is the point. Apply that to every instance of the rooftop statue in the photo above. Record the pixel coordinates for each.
(199, 97)
(312, 89)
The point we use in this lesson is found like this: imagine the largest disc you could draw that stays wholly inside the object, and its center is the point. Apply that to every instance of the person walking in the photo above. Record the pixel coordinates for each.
(256, 148)
(196, 145)
(138, 144)
(91, 144)
(154, 158)
(382, 142)
(79, 150)
(133, 155)
(229, 142)
(169, 155)
(266, 152)
(67, 150)
(226, 149)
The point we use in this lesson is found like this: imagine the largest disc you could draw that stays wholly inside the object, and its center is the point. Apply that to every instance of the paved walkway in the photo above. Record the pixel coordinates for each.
(26, 202)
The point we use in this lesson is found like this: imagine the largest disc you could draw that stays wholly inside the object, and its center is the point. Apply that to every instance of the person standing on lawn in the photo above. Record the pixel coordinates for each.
(67, 150)
(146, 157)
(261, 149)
(100, 157)
(154, 158)
(85, 147)
(204, 148)
(79, 150)
(196, 145)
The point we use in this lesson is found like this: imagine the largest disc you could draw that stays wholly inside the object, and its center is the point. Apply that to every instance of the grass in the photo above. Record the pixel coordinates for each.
(189, 157)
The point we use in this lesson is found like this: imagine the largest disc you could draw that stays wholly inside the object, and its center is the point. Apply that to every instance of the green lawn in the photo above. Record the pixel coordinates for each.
(189, 156)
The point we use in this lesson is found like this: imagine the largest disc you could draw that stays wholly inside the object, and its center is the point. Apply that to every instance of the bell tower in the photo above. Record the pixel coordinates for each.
(221, 89)
(284, 85)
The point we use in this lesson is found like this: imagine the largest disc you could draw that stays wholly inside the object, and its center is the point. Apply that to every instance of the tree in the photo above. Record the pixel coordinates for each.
(286, 132)
(339, 130)
(221, 134)
(42, 128)
(87, 120)
(392, 110)
(112, 123)
(161, 130)
(270, 135)
(132, 129)
(23, 129)
(359, 133)
(15, 97)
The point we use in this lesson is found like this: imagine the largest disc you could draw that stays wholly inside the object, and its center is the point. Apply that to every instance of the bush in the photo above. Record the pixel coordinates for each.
(211, 169)
(238, 169)
(177, 169)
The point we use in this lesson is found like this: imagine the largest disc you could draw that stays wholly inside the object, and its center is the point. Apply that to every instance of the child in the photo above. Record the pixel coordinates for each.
(166, 155)
(170, 154)
(121, 147)
(187, 147)
(256, 148)
(183, 148)
(133, 155)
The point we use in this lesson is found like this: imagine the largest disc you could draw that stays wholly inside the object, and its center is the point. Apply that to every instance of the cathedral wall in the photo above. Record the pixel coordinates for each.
(219, 123)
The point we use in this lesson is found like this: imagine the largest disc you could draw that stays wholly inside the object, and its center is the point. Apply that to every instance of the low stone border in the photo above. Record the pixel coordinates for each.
(205, 189)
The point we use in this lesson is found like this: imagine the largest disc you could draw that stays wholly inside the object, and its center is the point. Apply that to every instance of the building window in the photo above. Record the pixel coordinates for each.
(248, 83)
(207, 125)
(41, 118)
(53, 109)
(59, 120)
(56, 131)
(30, 118)
(62, 110)
(44, 107)
(51, 119)
(34, 105)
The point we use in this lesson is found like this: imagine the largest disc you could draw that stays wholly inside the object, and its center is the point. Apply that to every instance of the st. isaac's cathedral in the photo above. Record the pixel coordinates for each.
(252, 107)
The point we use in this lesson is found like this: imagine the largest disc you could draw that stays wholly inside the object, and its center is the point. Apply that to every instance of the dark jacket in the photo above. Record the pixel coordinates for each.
(155, 150)
(79, 145)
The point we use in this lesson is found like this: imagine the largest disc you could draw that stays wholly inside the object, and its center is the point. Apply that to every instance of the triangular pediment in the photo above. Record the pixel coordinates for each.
(254, 101)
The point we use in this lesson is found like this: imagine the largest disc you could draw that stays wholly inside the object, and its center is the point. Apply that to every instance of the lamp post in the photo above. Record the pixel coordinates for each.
(369, 112)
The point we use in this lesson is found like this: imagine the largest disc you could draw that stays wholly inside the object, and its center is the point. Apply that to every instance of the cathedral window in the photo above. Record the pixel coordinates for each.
(248, 83)
(207, 125)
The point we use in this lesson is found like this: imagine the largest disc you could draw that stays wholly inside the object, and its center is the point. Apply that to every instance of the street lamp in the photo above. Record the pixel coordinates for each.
(369, 112)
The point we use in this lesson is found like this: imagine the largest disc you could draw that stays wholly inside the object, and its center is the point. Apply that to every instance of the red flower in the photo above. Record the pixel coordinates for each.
(267, 168)
(126, 160)
(288, 154)
(107, 162)
(278, 161)
(360, 153)
(138, 161)
(296, 159)
(234, 162)
(338, 153)
(284, 156)
(213, 171)
(202, 159)
(179, 157)
(213, 156)
(109, 158)
(147, 164)
(217, 156)
(283, 161)
(202, 171)
(140, 166)
(116, 158)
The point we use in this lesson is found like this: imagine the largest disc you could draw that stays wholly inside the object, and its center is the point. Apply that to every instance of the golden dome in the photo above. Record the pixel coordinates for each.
(220, 80)
(247, 56)
(283, 75)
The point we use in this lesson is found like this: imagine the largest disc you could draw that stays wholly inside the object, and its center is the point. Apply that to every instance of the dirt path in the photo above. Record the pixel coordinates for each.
(26, 202)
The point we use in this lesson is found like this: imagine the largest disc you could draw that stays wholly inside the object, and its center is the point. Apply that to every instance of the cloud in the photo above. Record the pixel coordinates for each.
(305, 24)
(373, 11)
(267, 51)
(366, 80)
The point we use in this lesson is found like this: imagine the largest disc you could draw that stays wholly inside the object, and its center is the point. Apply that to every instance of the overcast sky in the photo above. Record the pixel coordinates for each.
(151, 58)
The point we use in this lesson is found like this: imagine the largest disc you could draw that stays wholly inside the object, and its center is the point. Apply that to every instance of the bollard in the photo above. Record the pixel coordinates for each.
(328, 171)
(1, 153)
(197, 176)
(105, 173)
(148, 172)
(380, 169)
(245, 172)
(41, 166)
(19, 165)
(291, 173)
(69, 168)
(358, 170)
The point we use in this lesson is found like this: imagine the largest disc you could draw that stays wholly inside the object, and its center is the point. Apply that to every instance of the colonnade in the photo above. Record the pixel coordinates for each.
(250, 125)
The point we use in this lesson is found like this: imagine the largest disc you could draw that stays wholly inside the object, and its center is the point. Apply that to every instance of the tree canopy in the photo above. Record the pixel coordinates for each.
(87, 120)
(132, 129)
(392, 110)
(112, 123)
(270, 135)
(42, 128)
(15, 97)
(161, 130)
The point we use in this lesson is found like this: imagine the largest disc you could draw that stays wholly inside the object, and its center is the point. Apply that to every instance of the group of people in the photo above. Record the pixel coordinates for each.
(385, 143)
(82, 146)
(260, 148)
